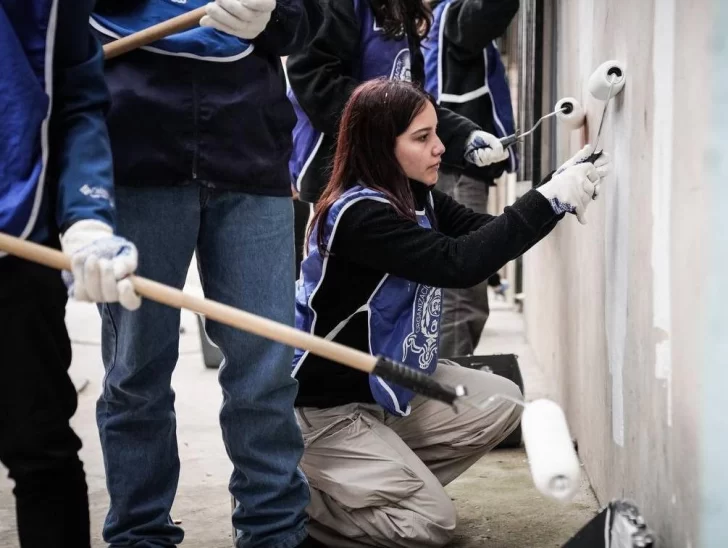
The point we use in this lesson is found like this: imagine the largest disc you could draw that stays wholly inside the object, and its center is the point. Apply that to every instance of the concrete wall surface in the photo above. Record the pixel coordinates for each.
(614, 309)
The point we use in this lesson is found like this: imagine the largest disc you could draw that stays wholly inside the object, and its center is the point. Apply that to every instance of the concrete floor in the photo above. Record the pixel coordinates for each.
(497, 503)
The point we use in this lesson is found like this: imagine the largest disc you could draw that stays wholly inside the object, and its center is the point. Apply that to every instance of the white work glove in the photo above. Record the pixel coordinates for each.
(483, 149)
(603, 165)
(571, 190)
(100, 264)
(245, 19)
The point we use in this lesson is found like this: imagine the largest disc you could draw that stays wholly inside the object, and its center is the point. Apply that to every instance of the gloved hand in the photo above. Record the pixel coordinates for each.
(100, 264)
(242, 18)
(483, 149)
(571, 190)
(603, 165)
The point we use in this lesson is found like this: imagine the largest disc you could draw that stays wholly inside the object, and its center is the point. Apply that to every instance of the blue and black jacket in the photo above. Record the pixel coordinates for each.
(55, 164)
(202, 106)
(464, 71)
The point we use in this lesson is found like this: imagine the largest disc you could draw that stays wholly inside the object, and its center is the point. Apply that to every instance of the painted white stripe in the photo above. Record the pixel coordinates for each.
(108, 32)
(325, 267)
(663, 67)
(48, 75)
(616, 272)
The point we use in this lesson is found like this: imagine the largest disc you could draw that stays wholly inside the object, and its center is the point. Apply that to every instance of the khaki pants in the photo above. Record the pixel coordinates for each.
(377, 479)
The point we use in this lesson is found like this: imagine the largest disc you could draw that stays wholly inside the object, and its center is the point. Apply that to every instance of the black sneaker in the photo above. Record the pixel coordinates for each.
(310, 542)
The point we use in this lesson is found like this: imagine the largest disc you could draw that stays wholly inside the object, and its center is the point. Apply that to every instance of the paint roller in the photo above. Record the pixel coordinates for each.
(605, 82)
(567, 110)
(395, 372)
(551, 455)
(552, 458)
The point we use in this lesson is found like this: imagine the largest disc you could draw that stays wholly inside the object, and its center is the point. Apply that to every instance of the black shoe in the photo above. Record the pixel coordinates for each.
(310, 542)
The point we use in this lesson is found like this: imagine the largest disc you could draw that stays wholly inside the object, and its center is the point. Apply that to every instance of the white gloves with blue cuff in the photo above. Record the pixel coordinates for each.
(101, 264)
(483, 149)
(245, 19)
(576, 183)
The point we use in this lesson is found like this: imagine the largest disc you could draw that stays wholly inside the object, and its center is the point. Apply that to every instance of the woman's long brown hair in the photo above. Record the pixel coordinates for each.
(413, 17)
(376, 114)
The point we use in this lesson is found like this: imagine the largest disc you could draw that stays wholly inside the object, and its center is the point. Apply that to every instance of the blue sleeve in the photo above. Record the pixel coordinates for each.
(80, 148)
(292, 24)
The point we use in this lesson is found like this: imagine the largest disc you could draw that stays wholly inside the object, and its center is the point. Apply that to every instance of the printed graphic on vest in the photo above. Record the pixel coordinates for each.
(97, 192)
(422, 341)
(401, 67)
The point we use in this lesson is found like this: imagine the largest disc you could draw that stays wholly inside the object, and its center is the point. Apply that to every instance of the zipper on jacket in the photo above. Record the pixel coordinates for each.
(196, 129)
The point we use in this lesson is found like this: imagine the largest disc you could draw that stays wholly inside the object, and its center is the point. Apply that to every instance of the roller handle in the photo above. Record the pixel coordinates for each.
(145, 37)
(418, 382)
(593, 157)
(395, 372)
(509, 140)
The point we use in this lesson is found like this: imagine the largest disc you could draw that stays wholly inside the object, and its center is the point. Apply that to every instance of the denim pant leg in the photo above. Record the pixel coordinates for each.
(246, 257)
(135, 413)
(464, 311)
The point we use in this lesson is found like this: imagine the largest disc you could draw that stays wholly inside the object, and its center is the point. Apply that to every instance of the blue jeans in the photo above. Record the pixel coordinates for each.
(245, 257)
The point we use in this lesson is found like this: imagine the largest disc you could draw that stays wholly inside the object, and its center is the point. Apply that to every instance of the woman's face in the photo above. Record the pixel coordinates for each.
(418, 149)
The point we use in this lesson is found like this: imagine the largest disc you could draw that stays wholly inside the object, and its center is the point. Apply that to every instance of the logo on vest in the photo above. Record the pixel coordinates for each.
(96, 192)
(422, 341)
(401, 68)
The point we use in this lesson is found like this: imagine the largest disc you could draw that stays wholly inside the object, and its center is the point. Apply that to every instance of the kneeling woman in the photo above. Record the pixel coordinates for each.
(382, 244)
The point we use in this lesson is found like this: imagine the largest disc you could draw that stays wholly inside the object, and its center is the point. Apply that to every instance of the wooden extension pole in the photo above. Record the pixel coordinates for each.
(228, 315)
(145, 37)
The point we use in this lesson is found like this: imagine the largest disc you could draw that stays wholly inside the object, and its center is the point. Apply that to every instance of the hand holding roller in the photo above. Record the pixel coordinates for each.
(390, 370)
(567, 110)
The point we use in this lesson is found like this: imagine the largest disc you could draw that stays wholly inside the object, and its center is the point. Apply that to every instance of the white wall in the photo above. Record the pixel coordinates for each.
(613, 308)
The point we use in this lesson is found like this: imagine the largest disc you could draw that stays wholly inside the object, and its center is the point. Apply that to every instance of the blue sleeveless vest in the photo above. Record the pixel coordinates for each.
(403, 316)
(27, 30)
(378, 56)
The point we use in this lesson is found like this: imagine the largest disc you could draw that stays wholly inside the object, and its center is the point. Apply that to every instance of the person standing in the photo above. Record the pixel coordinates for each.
(464, 72)
(56, 189)
(200, 131)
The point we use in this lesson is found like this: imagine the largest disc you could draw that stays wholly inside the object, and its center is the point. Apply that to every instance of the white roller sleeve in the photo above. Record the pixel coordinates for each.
(551, 456)
(576, 116)
(600, 79)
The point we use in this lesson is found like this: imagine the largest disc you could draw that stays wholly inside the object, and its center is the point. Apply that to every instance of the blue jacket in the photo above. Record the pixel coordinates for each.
(464, 71)
(202, 106)
(55, 163)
